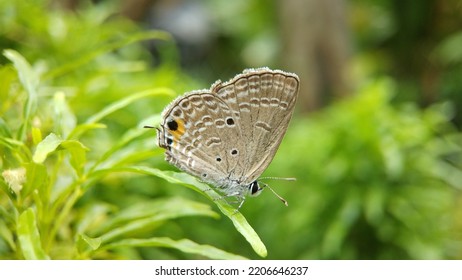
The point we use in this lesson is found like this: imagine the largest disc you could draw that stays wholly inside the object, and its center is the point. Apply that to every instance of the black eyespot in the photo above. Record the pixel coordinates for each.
(204, 175)
(218, 159)
(229, 121)
(234, 152)
(172, 125)
(169, 141)
(254, 188)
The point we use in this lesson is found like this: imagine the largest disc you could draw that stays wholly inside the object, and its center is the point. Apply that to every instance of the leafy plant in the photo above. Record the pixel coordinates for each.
(374, 181)
(69, 129)
(81, 179)
(45, 178)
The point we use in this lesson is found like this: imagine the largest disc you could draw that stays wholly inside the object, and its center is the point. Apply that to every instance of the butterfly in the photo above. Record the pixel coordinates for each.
(228, 135)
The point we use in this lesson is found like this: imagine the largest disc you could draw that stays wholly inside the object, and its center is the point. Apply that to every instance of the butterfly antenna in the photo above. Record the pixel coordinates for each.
(276, 194)
(148, 126)
(278, 178)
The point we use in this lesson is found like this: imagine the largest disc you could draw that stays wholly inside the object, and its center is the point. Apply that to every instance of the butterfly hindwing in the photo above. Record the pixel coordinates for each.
(264, 100)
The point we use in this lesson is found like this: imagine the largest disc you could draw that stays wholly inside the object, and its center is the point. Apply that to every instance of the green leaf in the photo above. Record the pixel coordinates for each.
(92, 216)
(5, 215)
(85, 243)
(146, 216)
(36, 134)
(48, 145)
(30, 82)
(82, 128)
(85, 58)
(239, 221)
(111, 108)
(8, 191)
(120, 153)
(77, 153)
(448, 173)
(448, 51)
(29, 237)
(184, 245)
(7, 235)
(64, 120)
(8, 79)
(13, 144)
(5, 129)
(36, 176)
(52, 142)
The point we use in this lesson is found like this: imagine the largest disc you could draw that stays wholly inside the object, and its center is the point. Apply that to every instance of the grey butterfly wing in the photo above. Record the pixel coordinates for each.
(263, 100)
(200, 133)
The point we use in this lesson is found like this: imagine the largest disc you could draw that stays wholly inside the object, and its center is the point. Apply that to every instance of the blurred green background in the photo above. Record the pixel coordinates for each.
(375, 143)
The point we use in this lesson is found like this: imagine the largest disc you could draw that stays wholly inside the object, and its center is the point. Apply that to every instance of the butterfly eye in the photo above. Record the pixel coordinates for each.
(254, 189)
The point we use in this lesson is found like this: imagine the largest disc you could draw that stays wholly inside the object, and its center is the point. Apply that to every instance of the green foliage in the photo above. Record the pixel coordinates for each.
(374, 181)
(81, 178)
(51, 175)
(46, 178)
(71, 126)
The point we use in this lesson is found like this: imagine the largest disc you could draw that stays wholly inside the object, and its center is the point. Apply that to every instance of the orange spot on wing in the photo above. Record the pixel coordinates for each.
(178, 132)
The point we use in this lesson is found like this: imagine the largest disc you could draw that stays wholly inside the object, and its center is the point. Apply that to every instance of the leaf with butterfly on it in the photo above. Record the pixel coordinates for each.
(239, 221)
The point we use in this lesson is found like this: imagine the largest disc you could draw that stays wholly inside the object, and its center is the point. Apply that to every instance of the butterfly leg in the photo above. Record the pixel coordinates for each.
(240, 205)
(238, 200)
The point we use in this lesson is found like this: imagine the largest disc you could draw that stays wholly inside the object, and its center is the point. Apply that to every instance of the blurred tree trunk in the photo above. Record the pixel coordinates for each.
(316, 46)
(136, 9)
